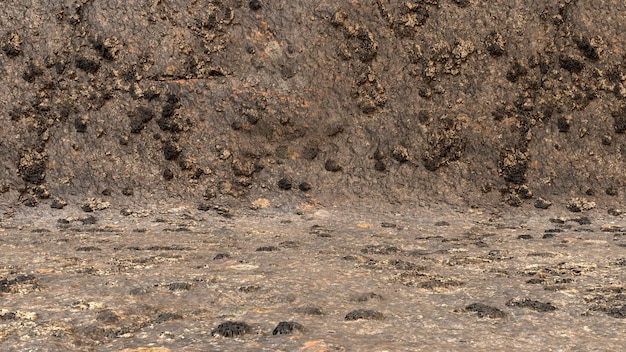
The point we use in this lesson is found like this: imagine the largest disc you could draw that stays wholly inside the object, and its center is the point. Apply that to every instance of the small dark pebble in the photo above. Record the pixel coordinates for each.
(168, 174)
(89, 220)
(231, 329)
(531, 304)
(535, 281)
(365, 314)
(255, 5)
(179, 286)
(485, 311)
(525, 237)
(39, 231)
(557, 221)
(310, 311)
(615, 212)
(332, 165)
(619, 313)
(204, 206)
(137, 291)
(553, 230)
(542, 204)
(364, 297)
(249, 289)
(126, 212)
(387, 224)
(380, 165)
(287, 328)
(582, 220)
(288, 244)
(88, 249)
(219, 256)
(58, 204)
(285, 184)
(8, 316)
(107, 316)
(164, 317)
(320, 231)
(380, 249)
(127, 191)
(442, 223)
(548, 235)
(612, 229)
(304, 187)
(267, 249)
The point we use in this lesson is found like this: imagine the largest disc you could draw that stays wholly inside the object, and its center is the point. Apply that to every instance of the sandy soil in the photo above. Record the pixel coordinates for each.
(336, 279)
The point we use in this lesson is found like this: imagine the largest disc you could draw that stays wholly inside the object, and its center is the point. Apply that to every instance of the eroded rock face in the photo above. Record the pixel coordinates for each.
(396, 102)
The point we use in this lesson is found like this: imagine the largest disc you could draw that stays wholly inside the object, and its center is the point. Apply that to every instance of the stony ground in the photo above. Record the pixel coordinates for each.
(313, 279)
(312, 175)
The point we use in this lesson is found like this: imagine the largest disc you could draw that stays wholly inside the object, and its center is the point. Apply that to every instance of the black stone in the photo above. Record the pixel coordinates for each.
(231, 329)
(364, 314)
(287, 328)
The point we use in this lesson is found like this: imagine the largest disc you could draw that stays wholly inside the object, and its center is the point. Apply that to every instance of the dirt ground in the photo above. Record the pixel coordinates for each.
(376, 175)
(313, 279)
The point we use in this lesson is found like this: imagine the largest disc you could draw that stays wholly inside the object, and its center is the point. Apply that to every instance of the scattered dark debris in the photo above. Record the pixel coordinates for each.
(165, 317)
(138, 291)
(88, 249)
(219, 256)
(494, 42)
(571, 64)
(320, 231)
(400, 154)
(485, 311)
(179, 286)
(380, 249)
(516, 71)
(267, 249)
(11, 44)
(531, 304)
(608, 299)
(578, 205)
(365, 314)
(288, 328)
(87, 64)
(13, 285)
(94, 204)
(88, 220)
(289, 244)
(107, 316)
(249, 289)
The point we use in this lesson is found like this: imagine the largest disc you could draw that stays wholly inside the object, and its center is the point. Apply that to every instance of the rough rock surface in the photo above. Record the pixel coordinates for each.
(440, 100)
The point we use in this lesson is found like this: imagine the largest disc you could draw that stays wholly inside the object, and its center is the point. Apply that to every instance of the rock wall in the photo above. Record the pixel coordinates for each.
(212, 102)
